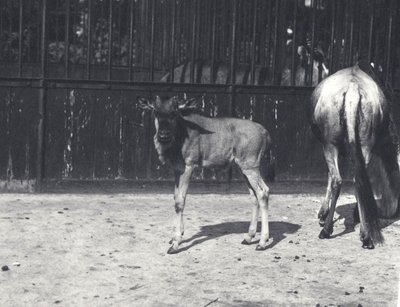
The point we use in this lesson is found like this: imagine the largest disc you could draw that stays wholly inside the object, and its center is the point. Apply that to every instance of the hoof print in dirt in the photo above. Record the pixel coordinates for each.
(324, 235)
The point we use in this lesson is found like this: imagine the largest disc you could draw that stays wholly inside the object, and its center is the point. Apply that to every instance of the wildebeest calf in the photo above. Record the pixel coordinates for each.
(184, 139)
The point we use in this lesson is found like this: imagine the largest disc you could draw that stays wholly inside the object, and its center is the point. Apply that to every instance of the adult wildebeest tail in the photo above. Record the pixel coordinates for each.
(365, 196)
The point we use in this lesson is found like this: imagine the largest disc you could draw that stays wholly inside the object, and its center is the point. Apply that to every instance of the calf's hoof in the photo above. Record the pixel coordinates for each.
(246, 242)
(172, 250)
(368, 244)
(324, 234)
(176, 238)
(261, 247)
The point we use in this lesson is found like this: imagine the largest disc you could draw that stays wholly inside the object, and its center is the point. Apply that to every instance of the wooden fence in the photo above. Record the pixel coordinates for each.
(71, 72)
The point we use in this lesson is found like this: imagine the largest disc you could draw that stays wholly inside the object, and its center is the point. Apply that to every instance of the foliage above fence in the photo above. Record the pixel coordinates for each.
(147, 38)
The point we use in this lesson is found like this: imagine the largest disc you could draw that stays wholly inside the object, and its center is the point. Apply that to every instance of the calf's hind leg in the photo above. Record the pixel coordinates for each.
(262, 193)
(254, 215)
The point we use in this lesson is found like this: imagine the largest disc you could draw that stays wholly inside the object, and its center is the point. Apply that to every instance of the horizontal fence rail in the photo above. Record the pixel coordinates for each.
(71, 72)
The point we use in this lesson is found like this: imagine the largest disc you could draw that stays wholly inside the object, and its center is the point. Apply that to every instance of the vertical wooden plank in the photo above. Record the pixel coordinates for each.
(395, 43)
(1, 27)
(130, 41)
(94, 108)
(89, 41)
(275, 44)
(66, 43)
(371, 31)
(294, 48)
(333, 5)
(253, 41)
(173, 41)
(152, 38)
(20, 38)
(9, 107)
(351, 37)
(42, 103)
(213, 41)
(122, 135)
(194, 40)
(234, 43)
(388, 63)
(313, 25)
(110, 40)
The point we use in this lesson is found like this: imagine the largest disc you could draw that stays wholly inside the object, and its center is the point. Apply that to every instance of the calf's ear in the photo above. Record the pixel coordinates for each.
(145, 104)
(187, 104)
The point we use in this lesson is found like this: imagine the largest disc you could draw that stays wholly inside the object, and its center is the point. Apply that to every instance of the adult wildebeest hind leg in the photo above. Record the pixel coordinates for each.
(327, 211)
(349, 107)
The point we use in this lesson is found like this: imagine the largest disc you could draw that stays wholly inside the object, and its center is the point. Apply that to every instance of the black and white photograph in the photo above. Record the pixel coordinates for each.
(205, 153)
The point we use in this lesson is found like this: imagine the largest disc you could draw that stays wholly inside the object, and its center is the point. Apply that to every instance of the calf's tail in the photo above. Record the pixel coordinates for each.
(268, 163)
(365, 196)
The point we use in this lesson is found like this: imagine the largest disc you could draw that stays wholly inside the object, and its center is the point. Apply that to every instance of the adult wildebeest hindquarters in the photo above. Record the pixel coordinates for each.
(184, 139)
(349, 107)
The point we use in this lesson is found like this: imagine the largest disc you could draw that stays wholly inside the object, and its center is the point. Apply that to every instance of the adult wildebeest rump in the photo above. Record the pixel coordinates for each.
(184, 139)
(349, 107)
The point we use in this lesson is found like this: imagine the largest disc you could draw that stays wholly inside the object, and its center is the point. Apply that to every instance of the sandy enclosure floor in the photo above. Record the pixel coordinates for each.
(110, 250)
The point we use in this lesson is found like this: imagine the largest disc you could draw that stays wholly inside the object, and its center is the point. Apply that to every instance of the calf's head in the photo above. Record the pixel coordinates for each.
(166, 115)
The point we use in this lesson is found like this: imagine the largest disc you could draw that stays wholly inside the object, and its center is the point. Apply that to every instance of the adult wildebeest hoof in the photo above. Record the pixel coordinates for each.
(260, 247)
(368, 244)
(172, 250)
(324, 235)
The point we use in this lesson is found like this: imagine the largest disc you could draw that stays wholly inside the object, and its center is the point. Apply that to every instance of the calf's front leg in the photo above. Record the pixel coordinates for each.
(181, 186)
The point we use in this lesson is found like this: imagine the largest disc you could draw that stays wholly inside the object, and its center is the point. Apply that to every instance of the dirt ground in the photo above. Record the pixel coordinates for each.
(110, 250)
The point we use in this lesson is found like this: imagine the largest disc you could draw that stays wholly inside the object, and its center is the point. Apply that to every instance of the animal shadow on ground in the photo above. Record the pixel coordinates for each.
(346, 212)
(349, 212)
(277, 232)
